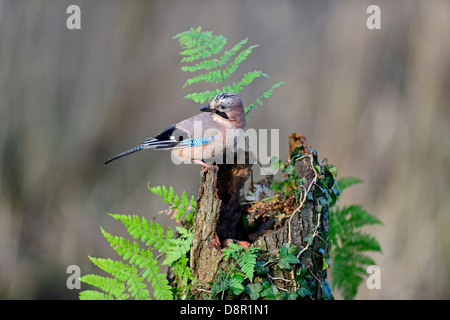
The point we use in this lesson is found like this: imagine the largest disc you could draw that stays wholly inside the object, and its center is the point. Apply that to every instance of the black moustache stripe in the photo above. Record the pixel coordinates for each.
(222, 114)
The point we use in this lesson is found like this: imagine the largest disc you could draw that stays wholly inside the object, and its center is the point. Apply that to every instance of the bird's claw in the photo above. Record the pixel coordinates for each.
(206, 166)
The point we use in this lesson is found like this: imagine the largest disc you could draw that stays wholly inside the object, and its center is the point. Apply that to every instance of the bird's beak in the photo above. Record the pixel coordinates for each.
(206, 109)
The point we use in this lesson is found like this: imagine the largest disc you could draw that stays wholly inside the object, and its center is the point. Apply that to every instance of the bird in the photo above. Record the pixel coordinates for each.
(203, 138)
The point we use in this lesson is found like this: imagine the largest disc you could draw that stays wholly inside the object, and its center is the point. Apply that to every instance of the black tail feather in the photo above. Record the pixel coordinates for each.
(135, 149)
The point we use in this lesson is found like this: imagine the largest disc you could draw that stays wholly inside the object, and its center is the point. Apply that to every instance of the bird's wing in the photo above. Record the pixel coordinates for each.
(181, 135)
(177, 136)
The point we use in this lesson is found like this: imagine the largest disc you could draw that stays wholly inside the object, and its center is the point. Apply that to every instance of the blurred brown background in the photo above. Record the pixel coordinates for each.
(374, 102)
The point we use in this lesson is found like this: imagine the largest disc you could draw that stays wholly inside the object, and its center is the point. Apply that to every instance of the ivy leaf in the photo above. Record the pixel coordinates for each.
(303, 292)
(274, 294)
(286, 261)
(292, 295)
(260, 268)
(284, 250)
(309, 239)
(289, 170)
(253, 290)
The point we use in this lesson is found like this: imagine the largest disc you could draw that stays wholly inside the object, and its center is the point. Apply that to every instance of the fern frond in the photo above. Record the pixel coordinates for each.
(113, 287)
(247, 79)
(178, 247)
(231, 251)
(148, 232)
(182, 207)
(247, 261)
(350, 245)
(95, 295)
(347, 276)
(361, 242)
(201, 97)
(125, 273)
(197, 45)
(142, 266)
(358, 217)
(220, 75)
(181, 269)
(346, 182)
(216, 63)
(349, 218)
(245, 258)
(129, 250)
(266, 95)
(161, 288)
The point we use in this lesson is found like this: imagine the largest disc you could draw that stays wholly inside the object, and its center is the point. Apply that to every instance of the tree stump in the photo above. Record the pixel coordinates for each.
(219, 212)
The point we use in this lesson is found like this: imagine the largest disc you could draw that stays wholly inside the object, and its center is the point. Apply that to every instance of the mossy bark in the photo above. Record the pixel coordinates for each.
(219, 212)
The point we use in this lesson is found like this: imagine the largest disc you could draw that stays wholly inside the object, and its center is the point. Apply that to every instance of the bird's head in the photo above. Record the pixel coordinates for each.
(228, 107)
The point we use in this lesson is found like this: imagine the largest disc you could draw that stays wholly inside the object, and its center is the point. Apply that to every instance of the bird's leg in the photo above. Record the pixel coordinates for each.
(204, 165)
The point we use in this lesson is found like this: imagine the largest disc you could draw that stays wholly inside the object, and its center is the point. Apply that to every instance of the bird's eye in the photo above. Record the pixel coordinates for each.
(222, 107)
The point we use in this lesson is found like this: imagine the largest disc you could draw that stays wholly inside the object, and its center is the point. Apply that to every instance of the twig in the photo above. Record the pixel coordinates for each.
(313, 236)
(313, 275)
(304, 194)
(274, 278)
(204, 290)
(279, 288)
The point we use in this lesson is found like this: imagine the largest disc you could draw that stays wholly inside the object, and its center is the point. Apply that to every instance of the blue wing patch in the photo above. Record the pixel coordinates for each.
(198, 141)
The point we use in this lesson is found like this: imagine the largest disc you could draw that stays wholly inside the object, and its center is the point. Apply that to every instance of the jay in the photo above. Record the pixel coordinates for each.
(203, 138)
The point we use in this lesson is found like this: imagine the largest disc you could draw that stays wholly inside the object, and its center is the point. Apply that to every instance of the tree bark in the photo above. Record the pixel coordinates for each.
(219, 212)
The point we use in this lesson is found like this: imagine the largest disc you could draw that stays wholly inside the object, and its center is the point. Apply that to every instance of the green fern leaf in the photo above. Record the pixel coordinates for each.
(130, 250)
(350, 245)
(148, 232)
(113, 287)
(361, 242)
(125, 273)
(181, 269)
(95, 295)
(201, 97)
(217, 76)
(247, 261)
(216, 63)
(179, 247)
(245, 258)
(198, 45)
(128, 275)
(347, 276)
(266, 95)
(231, 250)
(346, 182)
(357, 217)
(162, 289)
(182, 207)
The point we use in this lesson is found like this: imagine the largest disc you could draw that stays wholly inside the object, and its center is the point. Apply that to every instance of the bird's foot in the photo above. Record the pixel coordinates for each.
(242, 243)
(215, 243)
(205, 166)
